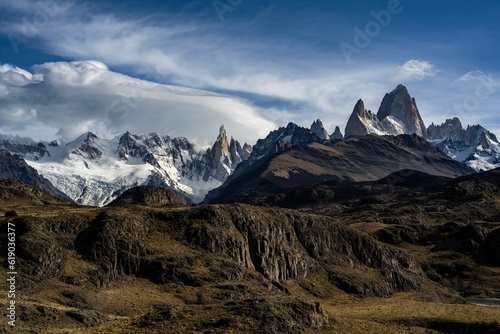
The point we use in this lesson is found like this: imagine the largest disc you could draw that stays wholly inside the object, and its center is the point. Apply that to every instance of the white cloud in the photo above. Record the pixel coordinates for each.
(477, 77)
(85, 96)
(206, 57)
(472, 75)
(413, 70)
(210, 57)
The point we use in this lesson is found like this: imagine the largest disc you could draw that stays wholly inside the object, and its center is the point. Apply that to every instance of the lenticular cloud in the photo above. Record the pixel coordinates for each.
(74, 97)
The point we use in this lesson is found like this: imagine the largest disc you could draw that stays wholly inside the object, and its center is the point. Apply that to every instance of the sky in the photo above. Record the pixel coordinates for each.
(183, 68)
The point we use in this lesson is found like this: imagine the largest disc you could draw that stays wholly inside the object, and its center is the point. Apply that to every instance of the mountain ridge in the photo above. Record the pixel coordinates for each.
(358, 158)
(94, 171)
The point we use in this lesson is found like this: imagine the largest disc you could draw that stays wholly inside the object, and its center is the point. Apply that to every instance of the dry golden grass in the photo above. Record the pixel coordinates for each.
(368, 314)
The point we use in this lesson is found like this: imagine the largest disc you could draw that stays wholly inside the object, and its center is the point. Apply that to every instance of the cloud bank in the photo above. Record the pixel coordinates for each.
(302, 82)
(66, 99)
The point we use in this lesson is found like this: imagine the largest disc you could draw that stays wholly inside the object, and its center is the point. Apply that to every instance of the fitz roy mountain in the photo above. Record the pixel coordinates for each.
(398, 114)
(95, 171)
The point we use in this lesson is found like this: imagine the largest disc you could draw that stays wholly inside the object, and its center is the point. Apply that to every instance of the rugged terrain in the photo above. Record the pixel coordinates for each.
(95, 171)
(358, 158)
(387, 257)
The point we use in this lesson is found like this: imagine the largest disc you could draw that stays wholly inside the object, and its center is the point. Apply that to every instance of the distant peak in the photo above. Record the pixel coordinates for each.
(318, 128)
(222, 132)
(91, 135)
(400, 88)
(337, 134)
(359, 108)
(400, 105)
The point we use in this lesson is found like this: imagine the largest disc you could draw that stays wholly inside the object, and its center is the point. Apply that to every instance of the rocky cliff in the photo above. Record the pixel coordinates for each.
(362, 121)
(399, 105)
(397, 114)
(318, 129)
(336, 135)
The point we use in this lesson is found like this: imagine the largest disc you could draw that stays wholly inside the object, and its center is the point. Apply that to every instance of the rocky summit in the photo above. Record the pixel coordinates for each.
(397, 114)
(399, 105)
(318, 129)
(336, 135)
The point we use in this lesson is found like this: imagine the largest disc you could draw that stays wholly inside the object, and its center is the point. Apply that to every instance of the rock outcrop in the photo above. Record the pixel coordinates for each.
(336, 135)
(400, 105)
(115, 244)
(361, 122)
(147, 196)
(278, 244)
(283, 245)
(318, 128)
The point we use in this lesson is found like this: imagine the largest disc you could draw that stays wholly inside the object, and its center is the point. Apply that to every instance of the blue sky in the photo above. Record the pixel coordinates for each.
(286, 59)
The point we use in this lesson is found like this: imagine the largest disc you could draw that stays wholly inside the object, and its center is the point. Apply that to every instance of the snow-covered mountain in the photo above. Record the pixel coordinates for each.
(94, 171)
(398, 114)
(475, 146)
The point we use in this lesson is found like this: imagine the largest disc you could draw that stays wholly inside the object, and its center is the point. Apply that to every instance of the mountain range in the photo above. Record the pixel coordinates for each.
(95, 171)
(398, 114)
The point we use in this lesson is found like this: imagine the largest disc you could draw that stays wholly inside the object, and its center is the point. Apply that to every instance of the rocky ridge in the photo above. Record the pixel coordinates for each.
(358, 158)
(398, 114)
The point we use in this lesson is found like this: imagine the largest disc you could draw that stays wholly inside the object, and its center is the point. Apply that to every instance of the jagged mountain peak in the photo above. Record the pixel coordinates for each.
(478, 135)
(475, 146)
(400, 89)
(318, 128)
(87, 145)
(86, 137)
(359, 108)
(398, 114)
(400, 105)
(336, 135)
(450, 129)
(222, 132)
(362, 121)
